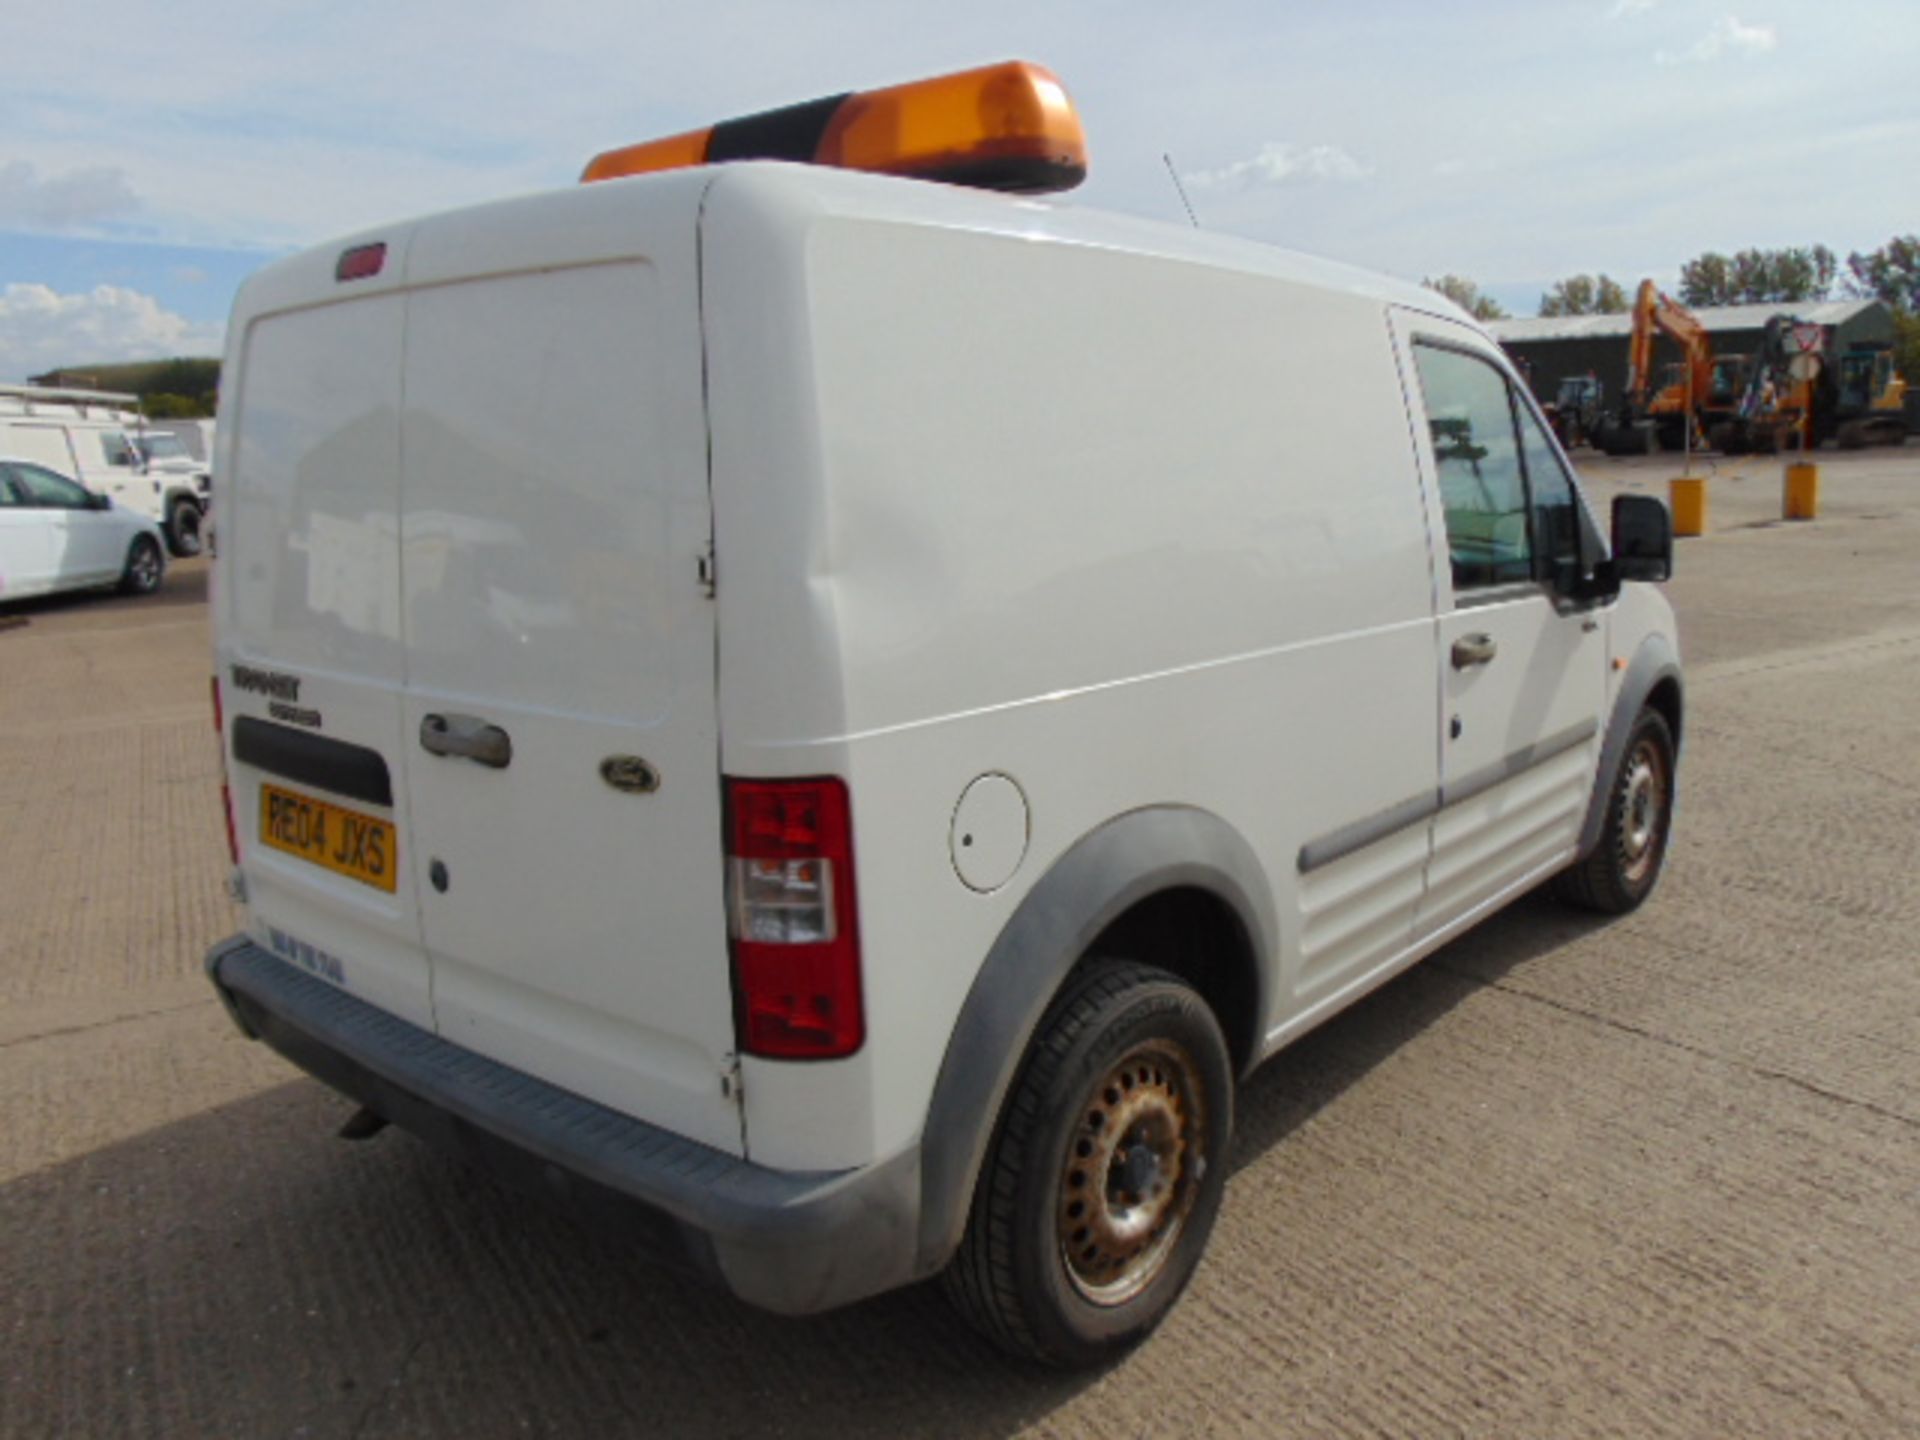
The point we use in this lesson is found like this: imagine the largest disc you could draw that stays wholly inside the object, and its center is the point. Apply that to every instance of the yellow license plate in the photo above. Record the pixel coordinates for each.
(344, 841)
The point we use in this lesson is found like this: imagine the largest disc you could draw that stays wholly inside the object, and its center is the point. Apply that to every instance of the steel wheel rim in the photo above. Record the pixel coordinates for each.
(1643, 809)
(146, 567)
(1131, 1172)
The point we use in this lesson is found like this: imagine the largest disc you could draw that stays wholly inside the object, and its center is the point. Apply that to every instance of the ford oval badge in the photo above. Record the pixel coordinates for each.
(630, 773)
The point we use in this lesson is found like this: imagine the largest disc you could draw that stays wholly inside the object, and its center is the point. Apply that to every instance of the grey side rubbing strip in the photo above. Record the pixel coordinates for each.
(1520, 760)
(1338, 844)
(1361, 833)
(1504, 593)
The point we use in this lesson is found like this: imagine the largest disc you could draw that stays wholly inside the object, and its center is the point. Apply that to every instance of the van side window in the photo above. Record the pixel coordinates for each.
(116, 448)
(1556, 510)
(1482, 487)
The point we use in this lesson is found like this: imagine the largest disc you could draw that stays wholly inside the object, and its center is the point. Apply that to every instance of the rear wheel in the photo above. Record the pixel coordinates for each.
(145, 565)
(1101, 1186)
(1626, 864)
(183, 527)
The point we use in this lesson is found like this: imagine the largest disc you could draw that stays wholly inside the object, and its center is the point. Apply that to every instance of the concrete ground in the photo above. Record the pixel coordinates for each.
(1654, 1178)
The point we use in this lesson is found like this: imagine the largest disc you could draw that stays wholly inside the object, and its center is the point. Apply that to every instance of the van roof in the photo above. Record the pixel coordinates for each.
(853, 194)
(46, 400)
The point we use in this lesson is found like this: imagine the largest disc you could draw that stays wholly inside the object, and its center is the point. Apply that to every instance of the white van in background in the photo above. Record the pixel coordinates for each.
(195, 437)
(96, 437)
(834, 717)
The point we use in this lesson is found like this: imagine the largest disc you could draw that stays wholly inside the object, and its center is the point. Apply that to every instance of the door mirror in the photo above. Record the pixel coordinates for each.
(97, 501)
(1642, 538)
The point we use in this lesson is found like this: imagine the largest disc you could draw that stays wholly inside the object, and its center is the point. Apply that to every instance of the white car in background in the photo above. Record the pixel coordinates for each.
(55, 534)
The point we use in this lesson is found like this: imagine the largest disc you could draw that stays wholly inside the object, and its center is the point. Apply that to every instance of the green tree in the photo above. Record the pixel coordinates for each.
(1906, 345)
(1464, 293)
(1891, 273)
(1585, 295)
(1795, 275)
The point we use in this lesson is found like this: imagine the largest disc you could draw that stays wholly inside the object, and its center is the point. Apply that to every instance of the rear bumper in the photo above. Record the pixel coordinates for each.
(788, 1242)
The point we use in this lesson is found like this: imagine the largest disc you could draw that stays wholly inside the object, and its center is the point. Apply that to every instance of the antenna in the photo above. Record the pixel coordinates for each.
(1181, 190)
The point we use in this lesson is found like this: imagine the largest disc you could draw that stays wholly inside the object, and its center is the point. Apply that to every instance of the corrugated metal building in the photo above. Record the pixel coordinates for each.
(1558, 346)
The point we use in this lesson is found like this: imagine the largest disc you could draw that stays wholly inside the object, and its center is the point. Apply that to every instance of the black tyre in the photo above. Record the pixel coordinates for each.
(183, 527)
(144, 568)
(1101, 1185)
(1631, 438)
(1626, 864)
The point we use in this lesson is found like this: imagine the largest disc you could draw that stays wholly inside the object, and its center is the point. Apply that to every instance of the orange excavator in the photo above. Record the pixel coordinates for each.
(1855, 398)
(1693, 390)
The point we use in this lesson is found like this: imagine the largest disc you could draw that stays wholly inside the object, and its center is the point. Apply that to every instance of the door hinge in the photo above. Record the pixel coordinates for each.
(709, 572)
(731, 1086)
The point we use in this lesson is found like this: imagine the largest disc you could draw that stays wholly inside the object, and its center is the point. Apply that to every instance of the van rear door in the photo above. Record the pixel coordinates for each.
(311, 654)
(560, 716)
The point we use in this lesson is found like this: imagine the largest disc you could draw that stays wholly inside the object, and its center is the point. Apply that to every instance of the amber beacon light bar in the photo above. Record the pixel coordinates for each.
(1001, 127)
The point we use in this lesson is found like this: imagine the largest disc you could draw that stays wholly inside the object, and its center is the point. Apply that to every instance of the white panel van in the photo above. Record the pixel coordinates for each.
(836, 717)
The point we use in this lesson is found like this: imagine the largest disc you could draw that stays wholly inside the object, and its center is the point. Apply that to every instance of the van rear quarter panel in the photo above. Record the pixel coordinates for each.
(1005, 488)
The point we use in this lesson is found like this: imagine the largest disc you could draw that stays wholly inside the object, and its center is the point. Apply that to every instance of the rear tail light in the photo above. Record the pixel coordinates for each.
(792, 918)
(226, 791)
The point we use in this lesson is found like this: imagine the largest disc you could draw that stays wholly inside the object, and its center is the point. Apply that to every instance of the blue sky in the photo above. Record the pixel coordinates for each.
(1512, 141)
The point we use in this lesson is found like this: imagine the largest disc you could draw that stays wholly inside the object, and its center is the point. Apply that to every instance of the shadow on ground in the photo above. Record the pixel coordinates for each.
(242, 1272)
(185, 584)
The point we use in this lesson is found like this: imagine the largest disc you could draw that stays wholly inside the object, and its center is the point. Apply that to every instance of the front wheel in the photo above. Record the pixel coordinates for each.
(145, 565)
(1626, 864)
(1101, 1186)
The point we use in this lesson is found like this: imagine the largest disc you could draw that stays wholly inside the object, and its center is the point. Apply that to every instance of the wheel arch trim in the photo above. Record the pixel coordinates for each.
(1104, 874)
(1654, 664)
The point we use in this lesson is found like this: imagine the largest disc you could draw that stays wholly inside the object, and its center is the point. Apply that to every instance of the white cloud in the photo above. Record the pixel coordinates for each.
(1625, 9)
(42, 329)
(1727, 37)
(1281, 162)
(73, 200)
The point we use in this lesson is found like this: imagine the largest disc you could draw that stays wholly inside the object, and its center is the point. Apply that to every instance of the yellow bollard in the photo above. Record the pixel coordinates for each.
(1687, 498)
(1800, 499)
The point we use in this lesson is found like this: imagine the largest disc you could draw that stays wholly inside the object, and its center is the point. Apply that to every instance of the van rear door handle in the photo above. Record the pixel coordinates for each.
(1471, 650)
(466, 737)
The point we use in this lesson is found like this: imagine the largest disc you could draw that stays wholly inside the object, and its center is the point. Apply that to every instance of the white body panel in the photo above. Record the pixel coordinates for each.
(1122, 515)
(901, 470)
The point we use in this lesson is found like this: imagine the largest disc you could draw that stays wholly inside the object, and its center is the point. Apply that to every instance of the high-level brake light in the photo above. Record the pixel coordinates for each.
(792, 917)
(362, 262)
(1001, 127)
